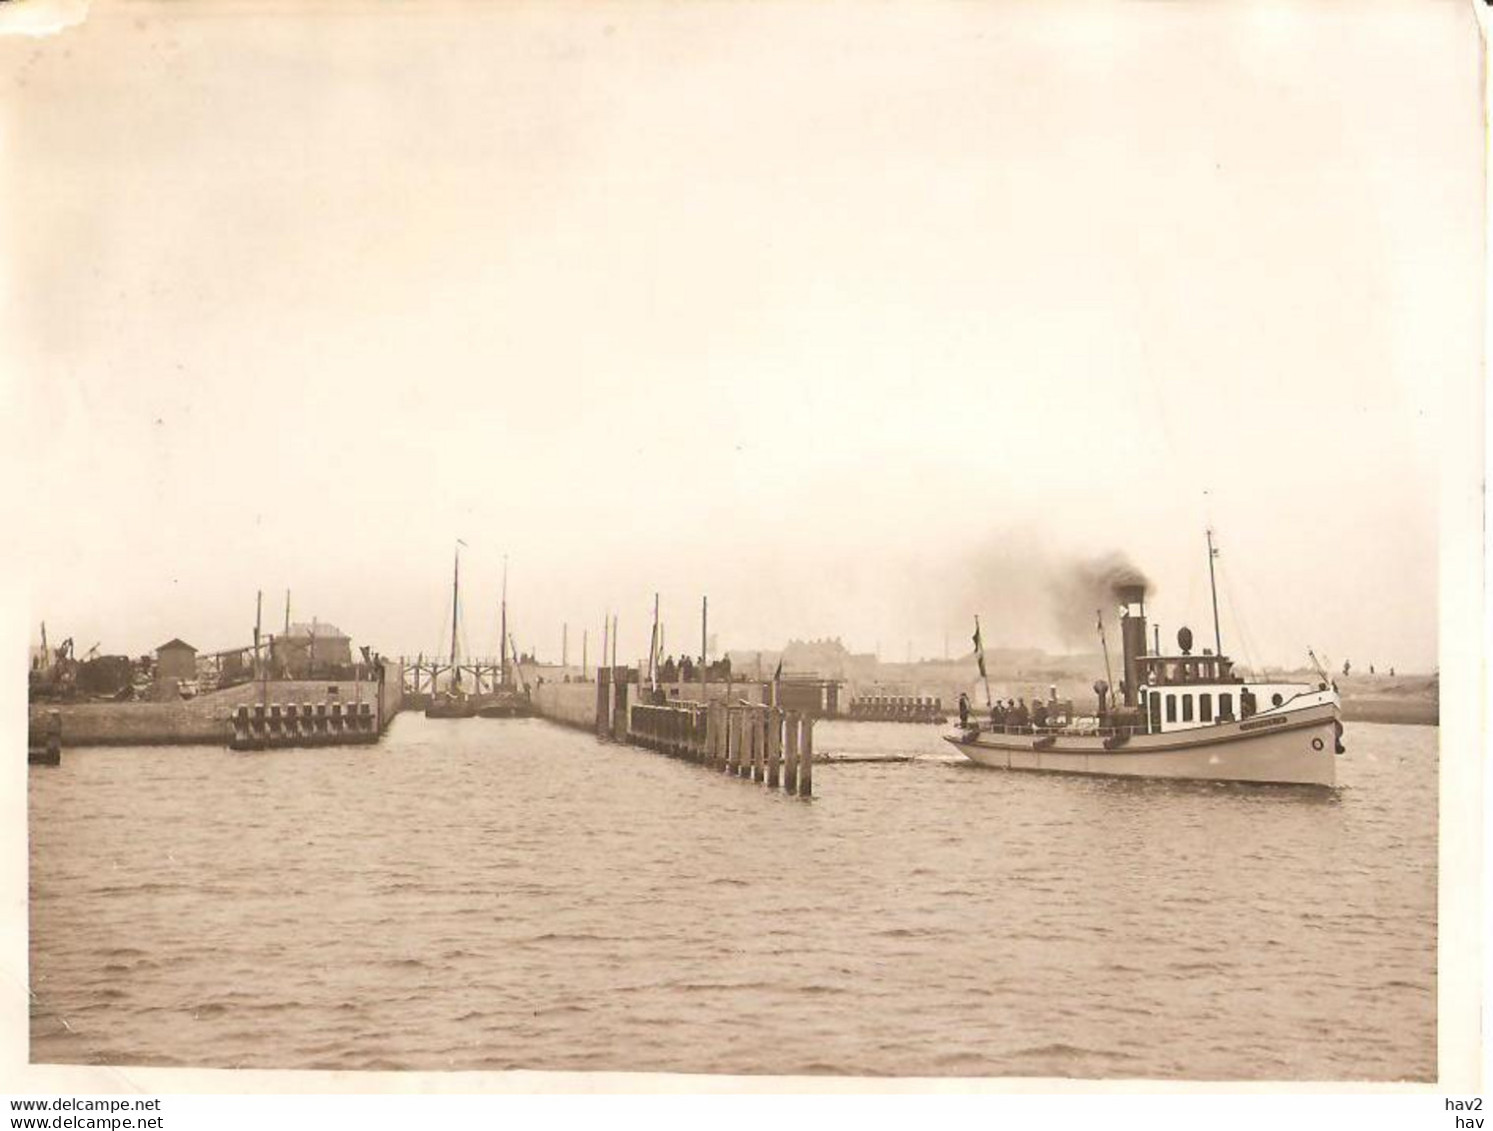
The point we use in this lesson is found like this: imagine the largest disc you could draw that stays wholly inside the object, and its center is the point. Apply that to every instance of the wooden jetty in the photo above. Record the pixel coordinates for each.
(269, 726)
(763, 743)
(44, 742)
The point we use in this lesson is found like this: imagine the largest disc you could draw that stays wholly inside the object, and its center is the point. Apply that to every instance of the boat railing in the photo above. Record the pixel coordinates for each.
(1066, 730)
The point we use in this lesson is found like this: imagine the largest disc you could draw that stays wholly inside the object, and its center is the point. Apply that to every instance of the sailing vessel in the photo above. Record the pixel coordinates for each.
(453, 703)
(508, 700)
(1180, 715)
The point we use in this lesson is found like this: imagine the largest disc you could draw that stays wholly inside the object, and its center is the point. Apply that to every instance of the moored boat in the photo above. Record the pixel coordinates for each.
(1180, 715)
(453, 703)
(510, 699)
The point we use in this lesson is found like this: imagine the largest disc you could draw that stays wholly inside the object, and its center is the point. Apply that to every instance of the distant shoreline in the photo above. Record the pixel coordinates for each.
(1405, 711)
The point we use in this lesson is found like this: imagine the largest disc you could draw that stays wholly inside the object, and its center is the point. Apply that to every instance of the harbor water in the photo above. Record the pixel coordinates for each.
(500, 894)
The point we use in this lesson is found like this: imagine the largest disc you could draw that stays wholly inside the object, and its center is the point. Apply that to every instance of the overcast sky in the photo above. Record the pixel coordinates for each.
(860, 319)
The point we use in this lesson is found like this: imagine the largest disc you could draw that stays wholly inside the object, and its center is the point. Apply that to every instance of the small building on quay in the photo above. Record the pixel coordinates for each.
(176, 659)
(310, 650)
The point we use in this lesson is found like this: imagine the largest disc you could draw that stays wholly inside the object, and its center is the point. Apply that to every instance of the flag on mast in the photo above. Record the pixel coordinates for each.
(980, 659)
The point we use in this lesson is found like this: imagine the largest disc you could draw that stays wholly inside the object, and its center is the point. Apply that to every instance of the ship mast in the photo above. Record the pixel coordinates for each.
(1104, 644)
(1213, 586)
(653, 649)
(455, 588)
(503, 631)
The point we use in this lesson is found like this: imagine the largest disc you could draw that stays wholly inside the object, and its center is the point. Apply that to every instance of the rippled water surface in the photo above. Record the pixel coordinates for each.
(485, 894)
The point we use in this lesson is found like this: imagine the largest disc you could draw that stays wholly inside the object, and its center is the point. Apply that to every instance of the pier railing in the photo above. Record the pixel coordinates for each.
(749, 740)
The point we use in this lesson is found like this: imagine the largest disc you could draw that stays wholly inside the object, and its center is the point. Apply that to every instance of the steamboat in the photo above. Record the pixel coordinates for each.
(1177, 715)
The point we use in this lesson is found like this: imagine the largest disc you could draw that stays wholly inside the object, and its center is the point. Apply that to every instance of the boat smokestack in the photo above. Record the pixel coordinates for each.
(1132, 636)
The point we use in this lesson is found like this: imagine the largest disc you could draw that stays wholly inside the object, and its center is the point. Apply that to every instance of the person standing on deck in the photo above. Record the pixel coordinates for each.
(963, 709)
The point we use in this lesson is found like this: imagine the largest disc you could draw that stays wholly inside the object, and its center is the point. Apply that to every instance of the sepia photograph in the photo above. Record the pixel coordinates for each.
(755, 545)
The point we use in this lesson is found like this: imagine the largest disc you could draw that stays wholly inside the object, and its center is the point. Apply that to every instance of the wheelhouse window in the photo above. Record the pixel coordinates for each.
(1205, 707)
(1187, 708)
(1171, 708)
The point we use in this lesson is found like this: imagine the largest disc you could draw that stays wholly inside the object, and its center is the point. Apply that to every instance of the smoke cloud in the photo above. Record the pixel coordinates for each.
(1076, 589)
(1032, 594)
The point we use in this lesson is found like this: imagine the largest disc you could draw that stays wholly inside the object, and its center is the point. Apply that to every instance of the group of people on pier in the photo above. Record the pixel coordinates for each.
(687, 669)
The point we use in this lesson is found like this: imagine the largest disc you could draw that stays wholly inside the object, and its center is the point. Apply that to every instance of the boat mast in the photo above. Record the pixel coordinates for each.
(503, 631)
(455, 588)
(653, 649)
(1104, 644)
(1213, 585)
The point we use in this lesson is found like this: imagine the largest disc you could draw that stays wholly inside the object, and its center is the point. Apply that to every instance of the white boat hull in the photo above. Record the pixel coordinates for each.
(1287, 747)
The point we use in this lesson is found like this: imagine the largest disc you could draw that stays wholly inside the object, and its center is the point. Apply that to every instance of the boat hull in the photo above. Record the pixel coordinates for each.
(1291, 748)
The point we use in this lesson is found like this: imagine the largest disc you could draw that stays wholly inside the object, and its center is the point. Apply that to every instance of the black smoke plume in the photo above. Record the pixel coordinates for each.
(1077, 589)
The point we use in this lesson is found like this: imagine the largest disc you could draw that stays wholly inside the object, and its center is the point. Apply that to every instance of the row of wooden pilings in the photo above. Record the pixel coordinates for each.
(749, 740)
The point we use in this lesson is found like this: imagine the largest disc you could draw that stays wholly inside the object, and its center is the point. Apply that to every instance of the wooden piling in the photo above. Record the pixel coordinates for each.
(619, 709)
(790, 752)
(806, 759)
(744, 768)
(774, 746)
(603, 689)
(733, 740)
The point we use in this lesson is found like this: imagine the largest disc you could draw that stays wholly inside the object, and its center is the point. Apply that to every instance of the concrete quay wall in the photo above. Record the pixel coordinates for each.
(573, 704)
(202, 720)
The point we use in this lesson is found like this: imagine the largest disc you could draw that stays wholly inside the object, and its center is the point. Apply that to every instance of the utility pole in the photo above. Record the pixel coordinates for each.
(564, 646)
(258, 610)
(704, 642)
